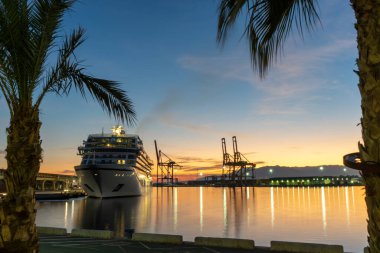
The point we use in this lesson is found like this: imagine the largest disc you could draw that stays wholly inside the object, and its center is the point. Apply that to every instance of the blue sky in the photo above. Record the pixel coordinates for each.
(189, 92)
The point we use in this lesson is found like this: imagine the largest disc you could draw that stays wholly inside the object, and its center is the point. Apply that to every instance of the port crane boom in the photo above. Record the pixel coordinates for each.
(166, 166)
(235, 165)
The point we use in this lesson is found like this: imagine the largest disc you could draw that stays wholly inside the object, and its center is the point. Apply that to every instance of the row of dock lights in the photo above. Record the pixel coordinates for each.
(320, 168)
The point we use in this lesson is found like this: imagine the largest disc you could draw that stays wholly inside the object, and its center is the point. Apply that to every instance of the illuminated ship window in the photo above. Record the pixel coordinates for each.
(120, 161)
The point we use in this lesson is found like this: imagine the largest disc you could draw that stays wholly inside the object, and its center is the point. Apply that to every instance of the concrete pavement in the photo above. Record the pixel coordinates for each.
(70, 244)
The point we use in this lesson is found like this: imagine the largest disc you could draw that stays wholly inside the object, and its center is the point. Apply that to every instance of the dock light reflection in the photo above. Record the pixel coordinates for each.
(201, 208)
(272, 206)
(323, 199)
(175, 208)
(66, 211)
(225, 220)
(72, 209)
(347, 205)
(314, 214)
(353, 199)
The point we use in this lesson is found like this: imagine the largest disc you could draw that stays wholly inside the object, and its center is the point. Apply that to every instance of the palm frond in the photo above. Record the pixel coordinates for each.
(56, 76)
(45, 20)
(28, 30)
(68, 74)
(15, 42)
(268, 23)
(112, 99)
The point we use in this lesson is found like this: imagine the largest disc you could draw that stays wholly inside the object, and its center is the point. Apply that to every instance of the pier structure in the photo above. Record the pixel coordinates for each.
(343, 180)
(310, 181)
(48, 182)
(239, 170)
(165, 168)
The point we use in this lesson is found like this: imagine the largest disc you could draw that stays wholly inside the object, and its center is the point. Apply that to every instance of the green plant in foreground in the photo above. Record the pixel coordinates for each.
(28, 36)
(268, 25)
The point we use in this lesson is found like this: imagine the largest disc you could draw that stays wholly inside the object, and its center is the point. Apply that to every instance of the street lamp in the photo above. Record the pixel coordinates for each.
(270, 172)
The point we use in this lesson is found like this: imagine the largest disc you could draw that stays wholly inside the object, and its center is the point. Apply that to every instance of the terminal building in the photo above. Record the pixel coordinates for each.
(48, 182)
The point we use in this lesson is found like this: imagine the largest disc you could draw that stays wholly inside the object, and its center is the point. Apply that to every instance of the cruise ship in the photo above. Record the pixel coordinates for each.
(114, 165)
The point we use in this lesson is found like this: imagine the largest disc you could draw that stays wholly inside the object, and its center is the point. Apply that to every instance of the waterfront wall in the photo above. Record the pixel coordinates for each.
(280, 246)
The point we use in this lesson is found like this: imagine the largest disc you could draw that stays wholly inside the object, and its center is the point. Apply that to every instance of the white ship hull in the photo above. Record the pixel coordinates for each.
(113, 165)
(107, 182)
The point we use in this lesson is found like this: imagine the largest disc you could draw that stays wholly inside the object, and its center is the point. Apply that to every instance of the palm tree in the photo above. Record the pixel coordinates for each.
(29, 34)
(268, 23)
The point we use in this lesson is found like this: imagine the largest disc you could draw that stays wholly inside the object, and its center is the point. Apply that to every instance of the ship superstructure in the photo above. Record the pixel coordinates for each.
(114, 165)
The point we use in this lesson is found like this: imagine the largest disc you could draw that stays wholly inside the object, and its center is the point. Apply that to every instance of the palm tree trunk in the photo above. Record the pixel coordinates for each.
(368, 36)
(17, 211)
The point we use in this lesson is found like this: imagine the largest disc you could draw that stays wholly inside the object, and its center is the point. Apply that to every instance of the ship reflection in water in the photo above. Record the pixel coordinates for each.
(109, 213)
(326, 215)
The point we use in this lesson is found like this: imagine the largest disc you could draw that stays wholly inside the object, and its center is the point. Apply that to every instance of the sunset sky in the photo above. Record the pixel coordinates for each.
(189, 92)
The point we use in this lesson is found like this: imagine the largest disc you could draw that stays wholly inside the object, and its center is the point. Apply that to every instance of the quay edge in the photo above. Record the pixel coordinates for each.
(92, 233)
(305, 247)
(276, 246)
(158, 238)
(224, 242)
(51, 231)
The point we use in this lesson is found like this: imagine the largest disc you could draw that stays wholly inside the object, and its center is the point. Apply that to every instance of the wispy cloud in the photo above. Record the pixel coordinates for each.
(204, 169)
(233, 67)
(291, 83)
(165, 113)
(192, 159)
(162, 109)
(168, 119)
(198, 164)
(192, 164)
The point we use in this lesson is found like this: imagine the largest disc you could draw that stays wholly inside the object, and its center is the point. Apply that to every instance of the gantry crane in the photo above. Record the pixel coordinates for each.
(242, 162)
(227, 164)
(236, 165)
(166, 167)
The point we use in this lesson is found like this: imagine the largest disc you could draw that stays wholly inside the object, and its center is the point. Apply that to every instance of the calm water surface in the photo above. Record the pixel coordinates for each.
(326, 215)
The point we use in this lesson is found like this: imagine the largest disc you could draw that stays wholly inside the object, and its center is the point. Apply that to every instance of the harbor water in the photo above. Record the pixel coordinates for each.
(331, 215)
